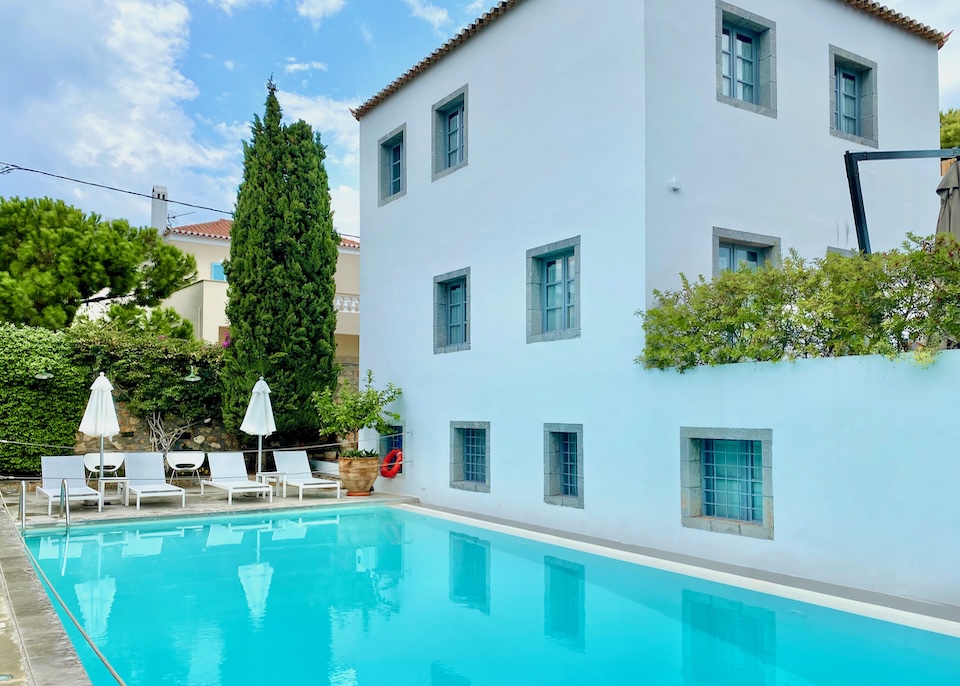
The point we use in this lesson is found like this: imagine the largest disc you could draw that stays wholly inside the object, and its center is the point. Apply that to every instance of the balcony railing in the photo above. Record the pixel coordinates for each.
(347, 303)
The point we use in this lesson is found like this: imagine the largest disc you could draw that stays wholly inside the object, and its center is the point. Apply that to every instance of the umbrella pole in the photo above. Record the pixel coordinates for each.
(259, 454)
(101, 457)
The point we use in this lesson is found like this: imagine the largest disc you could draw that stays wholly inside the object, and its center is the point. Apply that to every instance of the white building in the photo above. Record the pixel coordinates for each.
(527, 186)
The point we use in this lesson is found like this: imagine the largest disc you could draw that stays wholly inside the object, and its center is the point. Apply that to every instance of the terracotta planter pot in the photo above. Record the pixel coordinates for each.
(357, 474)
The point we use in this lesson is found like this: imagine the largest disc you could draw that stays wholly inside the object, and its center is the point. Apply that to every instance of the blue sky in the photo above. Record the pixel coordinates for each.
(131, 93)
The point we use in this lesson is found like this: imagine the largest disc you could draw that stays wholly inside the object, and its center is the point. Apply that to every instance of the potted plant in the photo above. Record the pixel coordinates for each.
(345, 413)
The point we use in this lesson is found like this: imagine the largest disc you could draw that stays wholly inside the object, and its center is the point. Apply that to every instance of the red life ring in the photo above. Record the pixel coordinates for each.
(391, 464)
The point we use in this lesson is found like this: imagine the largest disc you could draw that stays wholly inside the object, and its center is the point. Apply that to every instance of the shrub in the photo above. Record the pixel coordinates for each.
(885, 303)
(349, 411)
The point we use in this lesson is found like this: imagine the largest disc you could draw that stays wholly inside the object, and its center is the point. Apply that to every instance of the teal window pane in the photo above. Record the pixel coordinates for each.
(216, 272)
(732, 479)
(396, 172)
(559, 292)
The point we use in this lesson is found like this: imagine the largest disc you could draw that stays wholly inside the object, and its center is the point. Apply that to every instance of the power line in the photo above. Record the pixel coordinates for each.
(7, 167)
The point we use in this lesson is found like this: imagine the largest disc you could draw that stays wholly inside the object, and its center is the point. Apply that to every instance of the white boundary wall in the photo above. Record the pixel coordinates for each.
(865, 464)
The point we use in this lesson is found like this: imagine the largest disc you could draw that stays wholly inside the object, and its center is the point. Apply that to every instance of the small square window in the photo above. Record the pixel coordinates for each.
(736, 250)
(450, 133)
(726, 480)
(393, 165)
(470, 456)
(553, 291)
(216, 272)
(746, 60)
(452, 311)
(853, 97)
(563, 464)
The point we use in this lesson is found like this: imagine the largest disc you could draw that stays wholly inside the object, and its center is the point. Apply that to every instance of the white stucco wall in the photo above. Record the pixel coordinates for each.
(556, 141)
(781, 177)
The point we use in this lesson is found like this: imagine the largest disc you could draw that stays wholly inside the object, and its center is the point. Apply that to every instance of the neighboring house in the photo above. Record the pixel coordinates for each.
(526, 187)
(204, 302)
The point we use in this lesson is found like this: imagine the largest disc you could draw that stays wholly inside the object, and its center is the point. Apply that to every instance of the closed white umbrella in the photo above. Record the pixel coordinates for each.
(258, 421)
(100, 417)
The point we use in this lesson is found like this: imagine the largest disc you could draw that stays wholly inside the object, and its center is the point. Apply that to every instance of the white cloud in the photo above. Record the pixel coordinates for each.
(332, 119)
(345, 202)
(293, 67)
(433, 15)
(366, 34)
(315, 10)
(477, 7)
(115, 112)
(229, 5)
(228, 64)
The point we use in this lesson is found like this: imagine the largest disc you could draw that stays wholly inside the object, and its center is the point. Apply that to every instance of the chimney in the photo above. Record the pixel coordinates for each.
(158, 209)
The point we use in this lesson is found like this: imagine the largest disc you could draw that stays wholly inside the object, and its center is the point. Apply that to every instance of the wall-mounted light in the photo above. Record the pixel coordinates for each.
(192, 377)
(43, 376)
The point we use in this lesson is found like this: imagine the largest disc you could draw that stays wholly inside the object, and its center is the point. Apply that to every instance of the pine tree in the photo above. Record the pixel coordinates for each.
(283, 256)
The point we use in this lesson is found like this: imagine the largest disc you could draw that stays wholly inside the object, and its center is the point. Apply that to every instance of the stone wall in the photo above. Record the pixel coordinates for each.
(350, 370)
(134, 436)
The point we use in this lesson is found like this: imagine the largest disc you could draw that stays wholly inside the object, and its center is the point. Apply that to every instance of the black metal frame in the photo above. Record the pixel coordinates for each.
(852, 162)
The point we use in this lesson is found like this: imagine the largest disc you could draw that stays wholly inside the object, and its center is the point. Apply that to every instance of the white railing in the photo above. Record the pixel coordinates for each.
(347, 303)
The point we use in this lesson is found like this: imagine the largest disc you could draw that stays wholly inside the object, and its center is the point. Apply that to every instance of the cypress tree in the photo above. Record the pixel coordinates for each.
(280, 275)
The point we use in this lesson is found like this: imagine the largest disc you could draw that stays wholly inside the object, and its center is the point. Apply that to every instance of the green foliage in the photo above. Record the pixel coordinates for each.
(157, 321)
(148, 371)
(54, 258)
(885, 303)
(283, 257)
(32, 410)
(950, 129)
(349, 411)
(359, 453)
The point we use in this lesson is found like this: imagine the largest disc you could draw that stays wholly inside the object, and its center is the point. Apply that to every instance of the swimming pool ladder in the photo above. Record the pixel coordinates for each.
(23, 505)
(65, 501)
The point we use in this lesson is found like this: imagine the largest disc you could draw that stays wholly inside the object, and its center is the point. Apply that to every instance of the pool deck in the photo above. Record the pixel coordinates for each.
(34, 647)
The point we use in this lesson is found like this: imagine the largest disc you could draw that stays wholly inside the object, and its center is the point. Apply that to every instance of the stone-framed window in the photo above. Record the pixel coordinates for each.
(563, 464)
(746, 60)
(553, 291)
(738, 249)
(393, 440)
(470, 571)
(470, 456)
(451, 307)
(726, 480)
(450, 133)
(393, 165)
(853, 98)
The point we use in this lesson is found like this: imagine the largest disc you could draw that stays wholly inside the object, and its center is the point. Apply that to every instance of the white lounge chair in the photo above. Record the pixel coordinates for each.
(186, 462)
(229, 473)
(112, 462)
(146, 479)
(54, 469)
(296, 468)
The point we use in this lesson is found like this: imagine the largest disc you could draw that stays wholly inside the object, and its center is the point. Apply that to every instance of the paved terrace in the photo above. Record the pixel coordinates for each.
(34, 647)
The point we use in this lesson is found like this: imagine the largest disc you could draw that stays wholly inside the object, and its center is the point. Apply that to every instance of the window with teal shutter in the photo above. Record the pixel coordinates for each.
(216, 272)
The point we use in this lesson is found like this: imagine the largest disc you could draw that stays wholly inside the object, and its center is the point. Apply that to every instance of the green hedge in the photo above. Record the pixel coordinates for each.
(884, 303)
(146, 371)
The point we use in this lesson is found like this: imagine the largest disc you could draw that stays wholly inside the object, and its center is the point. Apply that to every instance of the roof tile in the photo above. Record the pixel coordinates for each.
(220, 229)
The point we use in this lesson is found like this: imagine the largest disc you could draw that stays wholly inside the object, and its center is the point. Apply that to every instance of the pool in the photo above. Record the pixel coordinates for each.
(396, 597)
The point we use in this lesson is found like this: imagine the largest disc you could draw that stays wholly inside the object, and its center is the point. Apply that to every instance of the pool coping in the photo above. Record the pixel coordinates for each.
(919, 614)
(42, 635)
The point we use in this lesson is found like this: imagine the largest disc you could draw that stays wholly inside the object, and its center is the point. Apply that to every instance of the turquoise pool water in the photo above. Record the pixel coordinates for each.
(389, 597)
